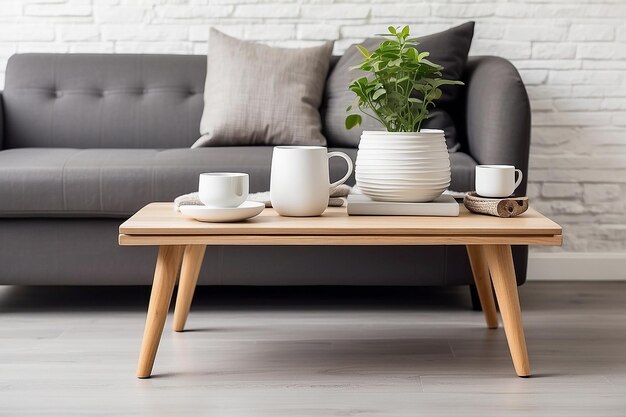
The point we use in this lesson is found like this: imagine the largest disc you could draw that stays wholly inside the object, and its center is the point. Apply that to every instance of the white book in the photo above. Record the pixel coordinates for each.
(359, 204)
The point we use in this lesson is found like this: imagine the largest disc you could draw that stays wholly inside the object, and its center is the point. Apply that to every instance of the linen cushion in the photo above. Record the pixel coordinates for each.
(448, 48)
(259, 95)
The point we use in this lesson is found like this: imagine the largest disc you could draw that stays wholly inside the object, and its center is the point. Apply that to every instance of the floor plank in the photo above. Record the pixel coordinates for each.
(312, 352)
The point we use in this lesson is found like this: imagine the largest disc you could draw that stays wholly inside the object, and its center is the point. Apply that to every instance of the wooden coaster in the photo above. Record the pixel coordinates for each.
(499, 207)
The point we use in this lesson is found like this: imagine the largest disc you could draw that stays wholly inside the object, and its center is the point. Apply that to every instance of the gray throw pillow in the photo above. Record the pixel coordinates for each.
(259, 95)
(448, 48)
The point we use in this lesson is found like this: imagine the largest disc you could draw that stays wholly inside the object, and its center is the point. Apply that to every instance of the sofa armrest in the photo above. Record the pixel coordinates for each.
(1, 121)
(497, 114)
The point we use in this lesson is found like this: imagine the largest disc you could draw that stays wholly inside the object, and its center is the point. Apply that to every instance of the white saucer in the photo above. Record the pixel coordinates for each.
(223, 215)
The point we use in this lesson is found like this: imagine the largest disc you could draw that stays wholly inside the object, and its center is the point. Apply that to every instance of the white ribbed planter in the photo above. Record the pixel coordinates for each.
(403, 167)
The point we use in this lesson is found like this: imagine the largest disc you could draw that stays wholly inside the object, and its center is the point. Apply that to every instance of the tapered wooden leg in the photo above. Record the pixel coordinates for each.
(167, 266)
(480, 269)
(500, 261)
(192, 262)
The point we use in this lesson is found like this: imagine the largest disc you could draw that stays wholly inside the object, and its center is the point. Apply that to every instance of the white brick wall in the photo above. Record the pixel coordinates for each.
(571, 54)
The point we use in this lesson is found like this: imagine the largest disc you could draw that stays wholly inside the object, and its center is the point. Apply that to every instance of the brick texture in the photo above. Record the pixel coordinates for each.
(571, 54)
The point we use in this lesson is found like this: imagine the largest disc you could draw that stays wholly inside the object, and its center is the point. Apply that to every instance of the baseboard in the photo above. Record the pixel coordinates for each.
(577, 267)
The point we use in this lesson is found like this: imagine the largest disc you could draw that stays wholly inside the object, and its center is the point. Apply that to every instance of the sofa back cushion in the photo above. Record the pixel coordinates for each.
(103, 100)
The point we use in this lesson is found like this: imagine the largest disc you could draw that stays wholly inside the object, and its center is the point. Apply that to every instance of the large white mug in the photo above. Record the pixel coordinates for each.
(223, 189)
(300, 182)
(497, 181)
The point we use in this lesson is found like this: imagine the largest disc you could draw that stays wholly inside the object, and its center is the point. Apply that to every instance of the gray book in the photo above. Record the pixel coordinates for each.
(361, 205)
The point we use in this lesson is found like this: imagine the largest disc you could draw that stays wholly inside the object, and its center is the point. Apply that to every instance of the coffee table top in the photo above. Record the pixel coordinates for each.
(160, 224)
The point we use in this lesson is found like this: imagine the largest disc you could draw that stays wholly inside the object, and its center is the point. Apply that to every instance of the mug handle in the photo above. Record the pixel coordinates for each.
(519, 179)
(345, 177)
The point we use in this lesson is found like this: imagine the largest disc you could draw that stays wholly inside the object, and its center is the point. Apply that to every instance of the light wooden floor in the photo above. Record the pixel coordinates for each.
(73, 352)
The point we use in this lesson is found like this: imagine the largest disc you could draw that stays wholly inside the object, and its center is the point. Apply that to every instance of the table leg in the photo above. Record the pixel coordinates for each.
(192, 262)
(167, 266)
(480, 269)
(500, 261)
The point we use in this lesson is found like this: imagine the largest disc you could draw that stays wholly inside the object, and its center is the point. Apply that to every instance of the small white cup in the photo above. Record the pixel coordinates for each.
(496, 181)
(223, 189)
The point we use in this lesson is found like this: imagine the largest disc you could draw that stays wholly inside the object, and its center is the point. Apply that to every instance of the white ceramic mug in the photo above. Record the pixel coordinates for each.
(300, 182)
(497, 181)
(223, 189)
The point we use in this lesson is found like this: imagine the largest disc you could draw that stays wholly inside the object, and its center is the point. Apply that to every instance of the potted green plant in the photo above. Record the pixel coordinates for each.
(404, 162)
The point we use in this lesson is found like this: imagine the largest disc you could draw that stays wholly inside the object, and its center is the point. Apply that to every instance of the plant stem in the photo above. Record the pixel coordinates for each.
(373, 117)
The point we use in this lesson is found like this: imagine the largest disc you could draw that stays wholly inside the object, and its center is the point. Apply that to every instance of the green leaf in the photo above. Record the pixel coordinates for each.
(392, 30)
(363, 51)
(353, 120)
(412, 54)
(439, 82)
(432, 64)
(378, 94)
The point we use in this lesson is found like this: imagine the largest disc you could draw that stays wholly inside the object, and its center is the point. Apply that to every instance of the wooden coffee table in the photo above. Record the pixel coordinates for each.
(182, 243)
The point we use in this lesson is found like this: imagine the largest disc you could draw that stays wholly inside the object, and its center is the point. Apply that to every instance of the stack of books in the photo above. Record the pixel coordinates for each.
(361, 205)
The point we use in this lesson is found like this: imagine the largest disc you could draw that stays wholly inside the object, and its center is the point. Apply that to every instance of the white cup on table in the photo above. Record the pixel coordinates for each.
(223, 189)
(497, 181)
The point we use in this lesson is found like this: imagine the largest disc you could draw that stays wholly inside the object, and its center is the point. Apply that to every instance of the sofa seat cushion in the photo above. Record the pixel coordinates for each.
(49, 182)
(58, 182)
(113, 182)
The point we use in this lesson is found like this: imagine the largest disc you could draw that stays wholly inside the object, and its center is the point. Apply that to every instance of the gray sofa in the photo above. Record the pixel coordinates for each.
(86, 140)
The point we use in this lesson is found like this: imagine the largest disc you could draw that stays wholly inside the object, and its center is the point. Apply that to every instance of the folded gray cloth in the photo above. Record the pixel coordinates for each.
(336, 199)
